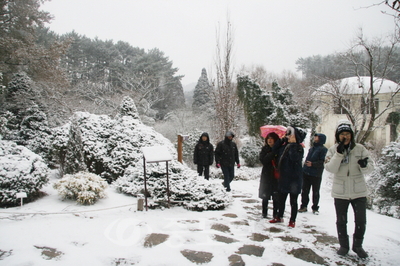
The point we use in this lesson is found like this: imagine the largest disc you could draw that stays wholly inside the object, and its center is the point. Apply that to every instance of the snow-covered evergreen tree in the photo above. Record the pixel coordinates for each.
(286, 111)
(74, 157)
(202, 91)
(21, 170)
(385, 182)
(256, 102)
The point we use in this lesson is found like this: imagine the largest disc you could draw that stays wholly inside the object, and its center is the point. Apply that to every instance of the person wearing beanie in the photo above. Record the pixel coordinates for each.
(349, 162)
(269, 180)
(203, 155)
(226, 155)
(312, 173)
(290, 154)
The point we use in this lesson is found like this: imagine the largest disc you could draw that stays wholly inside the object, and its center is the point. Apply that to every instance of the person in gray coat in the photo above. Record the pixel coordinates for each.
(349, 162)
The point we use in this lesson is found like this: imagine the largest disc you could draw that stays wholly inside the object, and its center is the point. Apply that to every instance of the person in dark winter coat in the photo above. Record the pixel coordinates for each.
(203, 155)
(312, 173)
(226, 154)
(290, 155)
(268, 181)
(349, 162)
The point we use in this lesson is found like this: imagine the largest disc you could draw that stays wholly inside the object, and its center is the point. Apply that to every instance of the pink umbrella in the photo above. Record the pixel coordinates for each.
(280, 130)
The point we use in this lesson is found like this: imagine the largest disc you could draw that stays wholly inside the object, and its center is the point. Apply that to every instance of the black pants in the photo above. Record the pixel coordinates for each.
(206, 169)
(275, 205)
(229, 174)
(315, 183)
(293, 205)
(360, 216)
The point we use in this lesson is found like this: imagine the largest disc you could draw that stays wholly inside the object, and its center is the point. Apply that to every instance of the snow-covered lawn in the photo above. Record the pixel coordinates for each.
(112, 232)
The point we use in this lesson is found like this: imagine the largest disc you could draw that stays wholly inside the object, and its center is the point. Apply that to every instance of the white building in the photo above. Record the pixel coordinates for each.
(351, 96)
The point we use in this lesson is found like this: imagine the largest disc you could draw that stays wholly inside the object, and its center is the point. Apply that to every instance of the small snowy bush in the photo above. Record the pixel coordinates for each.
(20, 171)
(86, 188)
(250, 152)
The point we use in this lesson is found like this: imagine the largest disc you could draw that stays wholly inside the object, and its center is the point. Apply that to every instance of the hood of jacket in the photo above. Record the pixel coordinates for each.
(322, 139)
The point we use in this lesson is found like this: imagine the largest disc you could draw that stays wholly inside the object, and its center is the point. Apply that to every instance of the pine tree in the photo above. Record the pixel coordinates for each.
(201, 94)
(256, 103)
(74, 157)
(286, 111)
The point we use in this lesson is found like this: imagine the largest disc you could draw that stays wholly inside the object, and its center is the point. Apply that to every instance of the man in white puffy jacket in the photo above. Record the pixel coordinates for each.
(349, 162)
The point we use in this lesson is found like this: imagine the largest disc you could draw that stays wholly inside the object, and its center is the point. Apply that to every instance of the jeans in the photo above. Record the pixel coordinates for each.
(229, 174)
(309, 181)
(360, 216)
(206, 169)
(293, 205)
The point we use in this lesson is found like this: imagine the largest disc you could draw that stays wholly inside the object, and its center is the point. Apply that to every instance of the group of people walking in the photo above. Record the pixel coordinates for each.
(285, 175)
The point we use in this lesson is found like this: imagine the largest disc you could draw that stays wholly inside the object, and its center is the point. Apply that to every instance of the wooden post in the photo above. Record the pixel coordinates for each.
(180, 141)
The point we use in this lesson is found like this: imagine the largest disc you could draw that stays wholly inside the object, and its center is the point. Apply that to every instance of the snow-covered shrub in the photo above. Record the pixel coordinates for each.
(250, 152)
(185, 187)
(84, 187)
(385, 182)
(21, 170)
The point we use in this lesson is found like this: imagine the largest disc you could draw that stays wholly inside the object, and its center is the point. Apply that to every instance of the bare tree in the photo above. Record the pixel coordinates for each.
(374, 60)
(224, 97)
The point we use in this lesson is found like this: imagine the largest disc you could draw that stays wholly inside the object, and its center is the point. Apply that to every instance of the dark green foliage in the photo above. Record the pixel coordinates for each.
(201, 94)
(257, 103)
(385, 181)
(74, 157)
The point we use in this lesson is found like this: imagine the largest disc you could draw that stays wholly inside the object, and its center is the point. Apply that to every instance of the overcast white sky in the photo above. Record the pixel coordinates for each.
(272, 33)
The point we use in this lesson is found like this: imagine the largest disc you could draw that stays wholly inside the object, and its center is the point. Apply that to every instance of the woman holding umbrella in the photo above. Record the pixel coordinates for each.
(268, 182)
(290, 155)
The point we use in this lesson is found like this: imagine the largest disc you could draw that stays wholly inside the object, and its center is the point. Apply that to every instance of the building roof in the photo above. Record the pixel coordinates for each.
(359, 85)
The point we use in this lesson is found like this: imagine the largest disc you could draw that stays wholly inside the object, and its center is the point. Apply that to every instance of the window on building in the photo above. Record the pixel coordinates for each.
(367, 105)
(341, 105)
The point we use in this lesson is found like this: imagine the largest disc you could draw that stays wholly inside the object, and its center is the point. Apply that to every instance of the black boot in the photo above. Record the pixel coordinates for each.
(344, 246)
(357, 248)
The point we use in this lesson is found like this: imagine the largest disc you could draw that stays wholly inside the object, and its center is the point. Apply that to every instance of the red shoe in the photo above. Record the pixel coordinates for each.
(276, 220)
(292, 224)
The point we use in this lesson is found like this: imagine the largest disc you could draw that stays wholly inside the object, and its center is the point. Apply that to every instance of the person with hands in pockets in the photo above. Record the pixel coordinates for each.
(349, 162)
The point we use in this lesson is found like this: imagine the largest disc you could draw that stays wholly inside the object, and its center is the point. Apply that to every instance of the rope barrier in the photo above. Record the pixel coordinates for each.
(70, 212)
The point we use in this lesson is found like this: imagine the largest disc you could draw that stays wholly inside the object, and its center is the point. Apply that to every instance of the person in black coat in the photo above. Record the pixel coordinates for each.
(226, 154)
(269, 181)
(290, 155)
(203, 155)
(312, 173)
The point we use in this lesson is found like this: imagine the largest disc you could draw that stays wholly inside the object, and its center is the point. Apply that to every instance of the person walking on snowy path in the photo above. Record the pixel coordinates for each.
(312, 173)
(203, 155)
(290, 156)
(226, 154)
(349, 162)
(269, 180)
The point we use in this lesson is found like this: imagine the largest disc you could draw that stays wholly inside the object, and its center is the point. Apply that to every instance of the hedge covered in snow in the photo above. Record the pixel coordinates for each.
(112, 149)
(21, 170)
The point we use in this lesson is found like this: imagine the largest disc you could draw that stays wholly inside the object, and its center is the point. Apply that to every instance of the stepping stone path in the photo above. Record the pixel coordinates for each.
(225, 227)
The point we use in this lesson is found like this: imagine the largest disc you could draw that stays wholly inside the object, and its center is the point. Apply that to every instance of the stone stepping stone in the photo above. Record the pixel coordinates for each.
(251, 250)
(244, 222)
(154, 240)
(258, 237)
(308, 255)
(250, 201)
(50, 253)
(236, 260)
(198, 257)
(224, 239)
(221, 228)
(290, 239)
(230, 215)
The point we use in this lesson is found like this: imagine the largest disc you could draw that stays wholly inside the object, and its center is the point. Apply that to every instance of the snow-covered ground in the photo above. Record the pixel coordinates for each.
(113, 232)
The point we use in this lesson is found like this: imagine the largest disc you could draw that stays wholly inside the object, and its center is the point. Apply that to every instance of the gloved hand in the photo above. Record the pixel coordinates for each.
(363, 162)
(340, 148)
(218, 165)
(238, 165)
